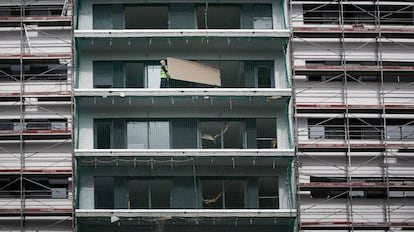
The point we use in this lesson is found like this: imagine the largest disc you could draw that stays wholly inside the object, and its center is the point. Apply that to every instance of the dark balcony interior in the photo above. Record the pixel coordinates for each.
(182, 16)
(257, 133)
(146, 74)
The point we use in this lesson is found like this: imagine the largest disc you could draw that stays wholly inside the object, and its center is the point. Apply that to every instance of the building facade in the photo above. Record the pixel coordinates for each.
(36, 116)
(353, 75)
(278, 116)
(211, 152)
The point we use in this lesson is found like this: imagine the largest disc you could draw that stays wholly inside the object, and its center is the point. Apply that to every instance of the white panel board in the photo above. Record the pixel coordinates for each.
(193, 72)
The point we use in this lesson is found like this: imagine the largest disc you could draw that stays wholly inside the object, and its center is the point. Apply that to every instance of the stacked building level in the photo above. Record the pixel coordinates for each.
(211, 152)
(35, 116)
(353, 78)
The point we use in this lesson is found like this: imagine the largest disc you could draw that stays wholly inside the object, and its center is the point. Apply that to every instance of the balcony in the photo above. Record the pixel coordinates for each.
(211, 189)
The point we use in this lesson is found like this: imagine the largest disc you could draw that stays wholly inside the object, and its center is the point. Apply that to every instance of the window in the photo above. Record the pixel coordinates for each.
(134, 75)
(146, 74)
(123, 74)
(268, 193)
(142, 17)
(182, 16)
(222, 134)
(264, 77)
(162, 192)
(103, 134)
(238, 16)
(334, 132)
(144, 135)
(137, 135)
(38, 125)
(400, 132)
(6, 125)
(321, 14)
(316, 132)
(261, 16)
(218, 16)
(401, 15)
(35, 187)
(33, 70)
(364, 132)
(266, 133)
(149, 194)
(104, 192)
(223, 194)
(102, 74)
(184, 133)
(359, 14)
(407, 132)
(108, 16)
(326, 129)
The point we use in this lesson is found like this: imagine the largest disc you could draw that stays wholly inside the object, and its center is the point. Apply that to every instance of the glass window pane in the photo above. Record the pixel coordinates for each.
(160, 194)
(334, 132)
(184, 133)
(210, 134)
(262, 16)
(137, 135)
(103, 129)
(139, 194)
(215, 14)
(233, 135)
(223, 194)
(394, 132)
(134, 73)
(143, 17)
(264, 77)
(153, 76)
(212, 194)
(234, 194)
(159, 135)
(104, 194)
(182, 16)
(268, 193)
(316, 132)
(102, 74)
(407, 132)
(100, 16)
(266, 133)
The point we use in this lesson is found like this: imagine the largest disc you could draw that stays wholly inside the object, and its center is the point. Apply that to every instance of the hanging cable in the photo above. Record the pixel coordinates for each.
(195, 184)
(206, 14)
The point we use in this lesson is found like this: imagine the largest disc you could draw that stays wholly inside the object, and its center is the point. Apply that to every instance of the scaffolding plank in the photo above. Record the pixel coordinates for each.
(325, 68)
(360, 28)
(356, 185)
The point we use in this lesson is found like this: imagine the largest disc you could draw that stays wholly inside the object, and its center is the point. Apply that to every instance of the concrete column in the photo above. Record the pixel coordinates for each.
(282, 130)
(284, 202)
(278, 11)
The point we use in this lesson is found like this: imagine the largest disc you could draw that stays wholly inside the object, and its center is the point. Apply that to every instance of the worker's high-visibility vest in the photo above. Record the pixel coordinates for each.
(163, 72)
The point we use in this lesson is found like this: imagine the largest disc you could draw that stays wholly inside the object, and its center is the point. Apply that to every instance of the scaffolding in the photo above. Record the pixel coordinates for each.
(353, 68)
(36, 118)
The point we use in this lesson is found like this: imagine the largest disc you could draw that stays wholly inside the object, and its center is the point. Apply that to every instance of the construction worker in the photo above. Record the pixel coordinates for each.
(165, 77)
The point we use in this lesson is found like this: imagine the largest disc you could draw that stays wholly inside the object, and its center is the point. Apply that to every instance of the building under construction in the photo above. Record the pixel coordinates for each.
(278, 116)
(211, 152)
(353, 68)
(35, 116)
